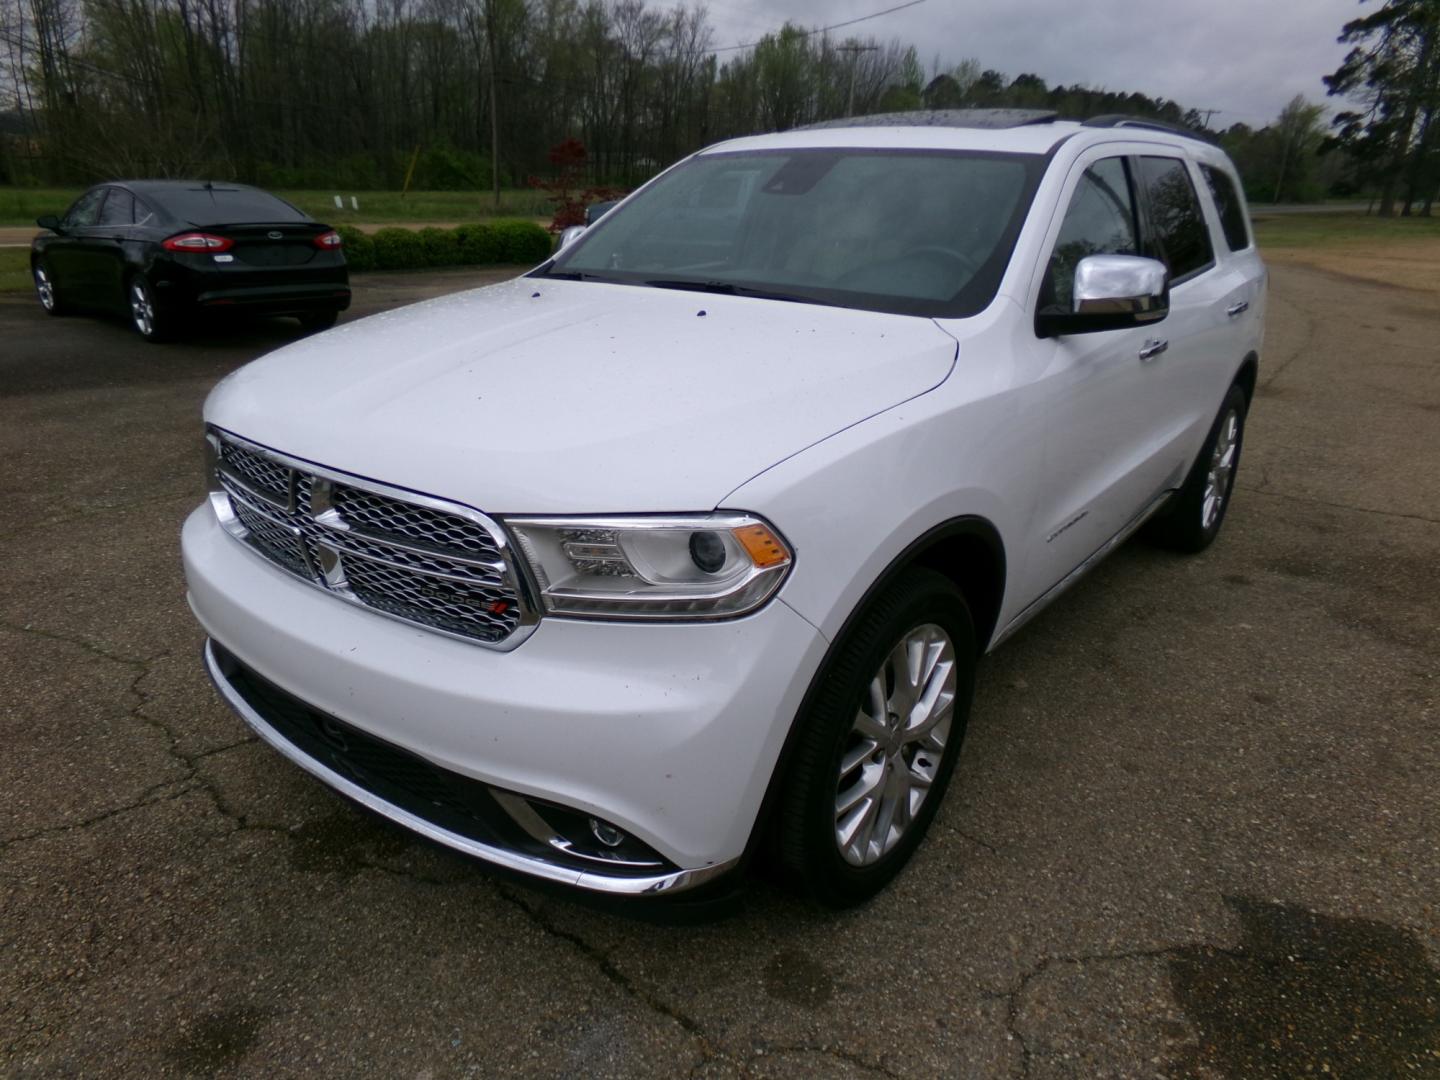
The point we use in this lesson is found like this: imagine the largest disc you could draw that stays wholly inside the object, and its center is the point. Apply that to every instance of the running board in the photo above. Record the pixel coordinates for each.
(1044, 600)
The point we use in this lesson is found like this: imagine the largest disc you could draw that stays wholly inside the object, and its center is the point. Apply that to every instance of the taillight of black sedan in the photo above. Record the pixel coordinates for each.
(163, 252)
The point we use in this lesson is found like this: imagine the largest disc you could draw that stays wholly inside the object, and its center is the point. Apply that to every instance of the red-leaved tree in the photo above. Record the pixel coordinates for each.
(566, 185)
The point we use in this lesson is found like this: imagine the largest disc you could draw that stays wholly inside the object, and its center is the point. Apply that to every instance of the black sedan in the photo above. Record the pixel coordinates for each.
(163, 251)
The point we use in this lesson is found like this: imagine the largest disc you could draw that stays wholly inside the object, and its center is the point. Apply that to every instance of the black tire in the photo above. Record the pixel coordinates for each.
(153, 323)
(312, 322)
(807, 844)
(1190, 522)
(42, 275)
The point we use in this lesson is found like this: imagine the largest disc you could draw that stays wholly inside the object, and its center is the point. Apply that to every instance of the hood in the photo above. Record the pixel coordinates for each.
(551, 397)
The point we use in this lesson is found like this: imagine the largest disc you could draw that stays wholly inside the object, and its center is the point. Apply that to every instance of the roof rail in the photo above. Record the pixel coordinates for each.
(1115, 120)
(961, 118)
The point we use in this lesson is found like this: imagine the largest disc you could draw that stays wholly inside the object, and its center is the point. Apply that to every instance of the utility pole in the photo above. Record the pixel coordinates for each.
(494, 103)
(854, 50)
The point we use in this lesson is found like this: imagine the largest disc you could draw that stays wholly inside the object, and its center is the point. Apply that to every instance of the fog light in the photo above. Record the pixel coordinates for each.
(707, 551)
(607, 834)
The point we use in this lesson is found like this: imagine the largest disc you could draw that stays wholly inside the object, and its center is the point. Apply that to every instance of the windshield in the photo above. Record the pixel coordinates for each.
(913, 232)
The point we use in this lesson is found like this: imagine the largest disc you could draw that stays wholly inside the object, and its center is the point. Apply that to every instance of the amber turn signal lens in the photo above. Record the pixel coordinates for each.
(762, 545)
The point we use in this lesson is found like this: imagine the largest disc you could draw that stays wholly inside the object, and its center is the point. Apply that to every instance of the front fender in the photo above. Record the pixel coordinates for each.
(852, 505)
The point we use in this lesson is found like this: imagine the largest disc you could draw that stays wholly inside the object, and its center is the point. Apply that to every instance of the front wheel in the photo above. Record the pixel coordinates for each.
(1193, 519)
(878, 742)
(45, 290)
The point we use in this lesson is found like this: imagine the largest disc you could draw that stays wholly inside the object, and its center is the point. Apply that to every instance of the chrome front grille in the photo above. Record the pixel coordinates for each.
(425, 561)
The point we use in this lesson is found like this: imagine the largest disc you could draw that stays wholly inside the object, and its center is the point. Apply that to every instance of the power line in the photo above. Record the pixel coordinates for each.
(825, 29)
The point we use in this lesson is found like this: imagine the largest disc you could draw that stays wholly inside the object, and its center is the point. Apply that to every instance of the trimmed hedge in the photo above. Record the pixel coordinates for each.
(475, 244)
(359, 248)
(398, 249)
(522, 241)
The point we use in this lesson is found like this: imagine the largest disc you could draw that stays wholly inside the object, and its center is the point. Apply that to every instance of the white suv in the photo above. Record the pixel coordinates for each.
(682, 548)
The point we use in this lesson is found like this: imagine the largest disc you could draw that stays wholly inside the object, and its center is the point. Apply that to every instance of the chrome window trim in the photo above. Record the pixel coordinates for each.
(514, 574)
(591, 880)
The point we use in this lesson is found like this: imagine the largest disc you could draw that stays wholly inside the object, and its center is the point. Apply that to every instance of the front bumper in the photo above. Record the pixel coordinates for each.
(670, 732)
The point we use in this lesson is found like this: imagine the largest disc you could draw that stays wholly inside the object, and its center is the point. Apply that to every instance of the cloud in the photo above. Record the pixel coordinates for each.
(1245, 58)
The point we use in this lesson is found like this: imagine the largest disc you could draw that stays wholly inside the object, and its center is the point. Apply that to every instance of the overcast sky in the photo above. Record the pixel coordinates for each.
(1246, 58)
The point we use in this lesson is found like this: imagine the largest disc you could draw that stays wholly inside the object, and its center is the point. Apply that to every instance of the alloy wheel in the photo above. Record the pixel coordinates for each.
(44, 288)
(895, 746)
(142, 309)
(1222, 469)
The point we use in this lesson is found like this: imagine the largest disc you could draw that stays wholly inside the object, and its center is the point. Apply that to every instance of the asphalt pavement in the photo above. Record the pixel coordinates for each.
(1195, 829)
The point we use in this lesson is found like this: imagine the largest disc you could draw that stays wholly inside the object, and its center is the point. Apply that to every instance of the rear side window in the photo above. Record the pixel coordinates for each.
(1175, 213)
(1099, 221)
(1232, 212)
(227, 206)
(119, 208)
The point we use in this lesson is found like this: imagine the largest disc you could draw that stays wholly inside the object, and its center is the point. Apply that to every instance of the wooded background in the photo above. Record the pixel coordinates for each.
(349, 94)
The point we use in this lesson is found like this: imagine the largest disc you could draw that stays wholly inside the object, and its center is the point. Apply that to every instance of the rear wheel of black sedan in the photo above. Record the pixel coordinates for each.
(145, 315)
(312, 322)
(45, 290)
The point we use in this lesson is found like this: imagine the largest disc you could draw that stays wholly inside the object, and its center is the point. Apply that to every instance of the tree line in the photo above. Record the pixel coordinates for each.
(361, 93)
(469, 94)
(1392, 73)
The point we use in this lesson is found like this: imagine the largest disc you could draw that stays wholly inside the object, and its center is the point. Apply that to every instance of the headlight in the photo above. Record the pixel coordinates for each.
(702, 566)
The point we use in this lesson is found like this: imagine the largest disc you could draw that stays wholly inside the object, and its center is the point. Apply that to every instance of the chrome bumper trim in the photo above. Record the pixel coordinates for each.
(677, 881)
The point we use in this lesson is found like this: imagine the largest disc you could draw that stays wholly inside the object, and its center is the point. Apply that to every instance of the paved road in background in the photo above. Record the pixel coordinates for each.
(1195, 828)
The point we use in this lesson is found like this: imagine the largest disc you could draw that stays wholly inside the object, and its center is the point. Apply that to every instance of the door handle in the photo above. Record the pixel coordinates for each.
(1238, 309)
(1152, 349)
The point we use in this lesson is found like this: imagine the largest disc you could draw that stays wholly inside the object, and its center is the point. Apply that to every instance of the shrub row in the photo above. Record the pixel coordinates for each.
(467, 245)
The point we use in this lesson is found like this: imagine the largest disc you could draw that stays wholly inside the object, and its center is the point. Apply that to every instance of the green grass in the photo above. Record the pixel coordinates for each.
(14, 270)
(419, 206)
(21, 206)
(1338, 230)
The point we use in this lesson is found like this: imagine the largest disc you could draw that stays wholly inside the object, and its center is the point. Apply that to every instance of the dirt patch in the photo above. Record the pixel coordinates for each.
(1408, 263)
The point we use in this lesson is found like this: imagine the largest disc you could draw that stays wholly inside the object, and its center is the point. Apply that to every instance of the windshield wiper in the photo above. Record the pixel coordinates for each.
(576, 275)
(728, 288)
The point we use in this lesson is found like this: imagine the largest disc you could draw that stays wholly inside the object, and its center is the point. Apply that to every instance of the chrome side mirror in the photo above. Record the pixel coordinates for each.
(1110, 292)
(569, 236)
(1121, 284)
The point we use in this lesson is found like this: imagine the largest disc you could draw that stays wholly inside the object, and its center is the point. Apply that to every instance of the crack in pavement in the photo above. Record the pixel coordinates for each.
(607, 967)
(1012, 996)
(977, 841)
(1312, 326)
(1261, 490)
(190, 781)
(836, 1052)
